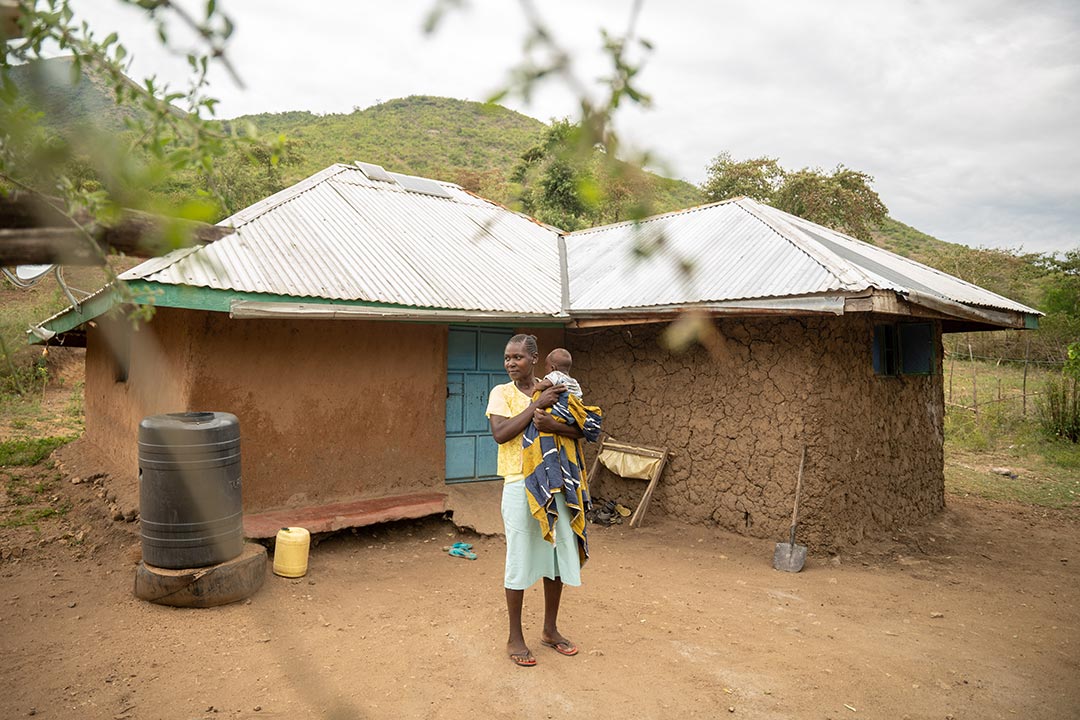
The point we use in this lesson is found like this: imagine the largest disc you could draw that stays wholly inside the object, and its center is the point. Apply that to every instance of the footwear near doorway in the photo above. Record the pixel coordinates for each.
(474, 366)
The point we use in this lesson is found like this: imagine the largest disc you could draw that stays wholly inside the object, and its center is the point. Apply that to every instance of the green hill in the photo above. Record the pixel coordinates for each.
(430, 136)
(473, 144)
(905, 240)
(461, 141)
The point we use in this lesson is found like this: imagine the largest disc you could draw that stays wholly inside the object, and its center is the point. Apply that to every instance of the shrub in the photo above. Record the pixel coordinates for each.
(1059, 406)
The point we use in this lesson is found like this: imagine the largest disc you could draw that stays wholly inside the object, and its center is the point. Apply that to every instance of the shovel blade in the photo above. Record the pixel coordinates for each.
(789, 557)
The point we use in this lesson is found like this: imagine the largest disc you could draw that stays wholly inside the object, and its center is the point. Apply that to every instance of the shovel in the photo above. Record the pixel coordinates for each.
(788, 556)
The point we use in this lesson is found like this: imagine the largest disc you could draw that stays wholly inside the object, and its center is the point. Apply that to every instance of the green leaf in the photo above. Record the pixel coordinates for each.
(200, 210)
(11, 90)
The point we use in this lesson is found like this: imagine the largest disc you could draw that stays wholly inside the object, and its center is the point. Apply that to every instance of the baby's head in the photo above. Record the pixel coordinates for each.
(559, 359)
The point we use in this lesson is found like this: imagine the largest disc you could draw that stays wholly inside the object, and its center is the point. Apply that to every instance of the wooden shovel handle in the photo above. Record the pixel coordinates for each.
(798, 491)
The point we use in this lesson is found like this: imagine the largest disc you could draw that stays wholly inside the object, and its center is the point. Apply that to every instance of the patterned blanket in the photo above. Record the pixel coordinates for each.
(553, 462)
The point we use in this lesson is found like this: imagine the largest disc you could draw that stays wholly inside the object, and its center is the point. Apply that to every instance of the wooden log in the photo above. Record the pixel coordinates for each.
(35, 231)
(219, 584)
(47, 246)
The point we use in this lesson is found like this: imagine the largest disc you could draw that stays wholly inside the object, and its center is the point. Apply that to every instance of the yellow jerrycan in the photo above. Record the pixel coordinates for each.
(291, 552)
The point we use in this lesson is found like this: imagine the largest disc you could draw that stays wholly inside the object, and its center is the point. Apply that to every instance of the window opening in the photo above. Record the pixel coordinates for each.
(916, 348)
(884, 352)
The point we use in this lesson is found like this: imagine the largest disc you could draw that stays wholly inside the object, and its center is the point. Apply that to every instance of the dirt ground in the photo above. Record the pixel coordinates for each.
(974, 615)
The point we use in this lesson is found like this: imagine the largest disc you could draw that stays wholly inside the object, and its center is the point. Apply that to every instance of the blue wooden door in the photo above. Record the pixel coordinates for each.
(475, 365)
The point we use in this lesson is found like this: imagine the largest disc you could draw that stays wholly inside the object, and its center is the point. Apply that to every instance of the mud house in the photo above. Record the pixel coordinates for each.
(355, 323)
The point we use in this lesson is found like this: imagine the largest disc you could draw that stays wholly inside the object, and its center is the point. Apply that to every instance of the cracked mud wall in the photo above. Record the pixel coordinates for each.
(737, 423)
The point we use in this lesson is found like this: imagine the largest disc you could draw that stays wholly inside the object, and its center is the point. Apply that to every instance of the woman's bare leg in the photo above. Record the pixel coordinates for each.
(515, 643)
(552, 597)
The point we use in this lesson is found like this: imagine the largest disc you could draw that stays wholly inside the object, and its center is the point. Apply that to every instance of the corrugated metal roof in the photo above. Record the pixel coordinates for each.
(353, 234)
(727, 252)
(341, 236)
(738, 250)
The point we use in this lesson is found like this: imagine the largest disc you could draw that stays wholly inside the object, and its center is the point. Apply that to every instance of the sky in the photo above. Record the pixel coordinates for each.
(966, 113)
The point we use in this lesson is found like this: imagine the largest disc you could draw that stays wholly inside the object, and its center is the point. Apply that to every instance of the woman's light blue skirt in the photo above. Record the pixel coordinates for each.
(528, 556)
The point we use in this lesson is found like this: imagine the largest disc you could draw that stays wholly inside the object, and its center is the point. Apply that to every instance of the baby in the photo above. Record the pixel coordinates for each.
(558, 366)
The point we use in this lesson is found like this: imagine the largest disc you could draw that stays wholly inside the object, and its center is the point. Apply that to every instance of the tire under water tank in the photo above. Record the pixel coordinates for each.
(190, 511)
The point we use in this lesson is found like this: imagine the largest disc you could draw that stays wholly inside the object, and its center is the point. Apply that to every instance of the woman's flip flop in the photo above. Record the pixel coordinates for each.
(564, 647)
(525, 659)
(462, 553)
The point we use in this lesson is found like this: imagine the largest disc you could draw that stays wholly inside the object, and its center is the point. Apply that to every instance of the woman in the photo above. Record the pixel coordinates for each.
(528, 556)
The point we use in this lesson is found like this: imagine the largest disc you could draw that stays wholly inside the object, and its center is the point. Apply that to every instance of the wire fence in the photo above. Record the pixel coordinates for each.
(1012, 379)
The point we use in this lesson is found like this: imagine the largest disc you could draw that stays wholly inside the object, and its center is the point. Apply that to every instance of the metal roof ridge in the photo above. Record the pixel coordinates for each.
(558, 232)
(402, 189)
(652, 218)
(843, 270)
(173, 257)
(273, 202)
(941, 273)
(525, 216)
(284, 195)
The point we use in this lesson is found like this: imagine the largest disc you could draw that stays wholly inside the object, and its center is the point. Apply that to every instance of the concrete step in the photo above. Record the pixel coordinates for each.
(335, 516)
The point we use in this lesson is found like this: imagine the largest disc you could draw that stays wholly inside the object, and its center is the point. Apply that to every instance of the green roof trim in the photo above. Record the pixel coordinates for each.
(189, 297)
(214, 300)
(1031, 322)
(94, 306)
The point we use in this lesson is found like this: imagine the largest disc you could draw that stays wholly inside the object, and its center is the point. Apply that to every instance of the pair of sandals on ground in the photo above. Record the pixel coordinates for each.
(563, 647)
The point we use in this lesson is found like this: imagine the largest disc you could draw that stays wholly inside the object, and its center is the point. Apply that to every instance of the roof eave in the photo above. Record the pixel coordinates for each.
(252, 310)
(829, 304)
(957, 315)
(995, 319)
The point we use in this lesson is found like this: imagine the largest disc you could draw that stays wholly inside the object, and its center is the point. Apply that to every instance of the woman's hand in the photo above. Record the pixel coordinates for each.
(550, 396)
(505, 429)
(544, 422)
(547, 423)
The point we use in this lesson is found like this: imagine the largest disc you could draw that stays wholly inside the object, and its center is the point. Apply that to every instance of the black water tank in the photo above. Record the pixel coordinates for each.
(189, 489)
